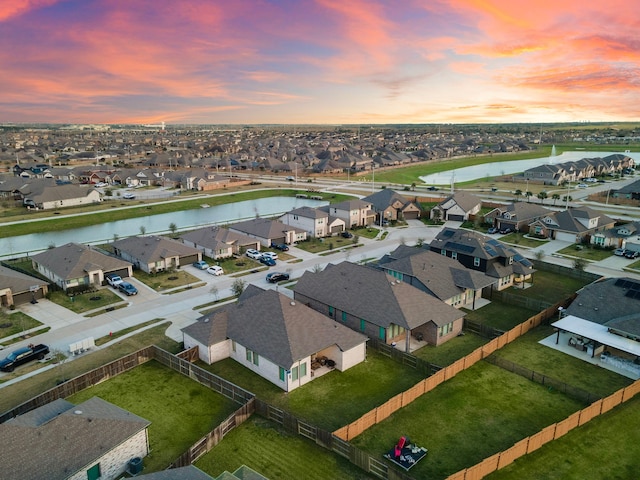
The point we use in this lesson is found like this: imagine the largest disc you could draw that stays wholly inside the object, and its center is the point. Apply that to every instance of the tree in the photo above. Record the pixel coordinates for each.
(355, 239)
(542, 196)
(214, 291)
(518, 193)
(413, 186)
(174, 228)
(567, 198)
(143, 230)
(539, 254)
(317, 268)
(528, 195)
(419, 242)
(59, 358)
(579, 264)
(436, 214)
(555, 197)
(237, 287)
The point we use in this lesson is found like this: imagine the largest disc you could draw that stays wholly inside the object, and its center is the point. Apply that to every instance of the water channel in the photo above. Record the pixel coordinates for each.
(153, 224)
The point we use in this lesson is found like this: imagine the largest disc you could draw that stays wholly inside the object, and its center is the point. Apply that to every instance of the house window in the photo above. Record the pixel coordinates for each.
(330, 311)
(94, 472)
(362, 325)
(256, 359)
(598, 241)
(510, 260)
(443, 252)
(476, 261)
(294, 374)
(344, 316)
(445, 329)
(282, 373)
(454, 255)
(249, 356)
(382, 333)
(303, 370)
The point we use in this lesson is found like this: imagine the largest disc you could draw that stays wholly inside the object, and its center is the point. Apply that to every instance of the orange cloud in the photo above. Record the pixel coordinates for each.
(14, 8)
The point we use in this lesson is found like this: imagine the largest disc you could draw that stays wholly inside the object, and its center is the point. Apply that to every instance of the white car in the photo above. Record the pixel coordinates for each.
(252, 253)
(215, 270)
(271, 255)
(128, 196)
(101, 184)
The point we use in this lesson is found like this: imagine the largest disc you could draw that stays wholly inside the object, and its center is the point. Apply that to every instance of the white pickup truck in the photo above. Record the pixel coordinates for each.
(114, 280)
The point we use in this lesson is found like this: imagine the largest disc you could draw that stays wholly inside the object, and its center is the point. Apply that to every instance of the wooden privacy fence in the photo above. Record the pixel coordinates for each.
(547, 434)
(352, 430)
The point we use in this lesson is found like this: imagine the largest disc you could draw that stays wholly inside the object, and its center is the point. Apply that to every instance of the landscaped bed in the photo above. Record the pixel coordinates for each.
(180, 410)
(479, 412)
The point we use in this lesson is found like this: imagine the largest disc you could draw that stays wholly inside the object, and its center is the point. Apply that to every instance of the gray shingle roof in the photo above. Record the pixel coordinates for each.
(153, 248)
(273, 326)
(18, 282)
(263, 228)
(57, 442)
(74, 260)
(466, 200)
(214, 237)
(373, 295)
(190, 472)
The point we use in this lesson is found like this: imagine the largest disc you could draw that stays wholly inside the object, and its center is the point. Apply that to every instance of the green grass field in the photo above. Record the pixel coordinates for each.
(479, 412)
(180, 410)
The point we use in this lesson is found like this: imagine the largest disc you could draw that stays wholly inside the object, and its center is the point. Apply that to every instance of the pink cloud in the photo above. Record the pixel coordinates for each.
(14, 8)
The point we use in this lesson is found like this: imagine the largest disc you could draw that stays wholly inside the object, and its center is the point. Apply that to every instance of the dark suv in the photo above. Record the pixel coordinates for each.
(23, 355)
(275, 277)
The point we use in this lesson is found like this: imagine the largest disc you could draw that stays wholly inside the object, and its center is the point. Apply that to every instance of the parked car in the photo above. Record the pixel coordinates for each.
(215, 270)
(128, 289)
(505, 230)
(22, 356)
(492, 230)
(268, 261)
(582, 185)
(272, 255)
(101, 184)
(619, 252)
(128, 196)
(432, 189)
(346, 234)
(201, 265)
(280, 246)
(114, 280)
(631, 254)
(252, 253)
(275, 277)
(291, 179)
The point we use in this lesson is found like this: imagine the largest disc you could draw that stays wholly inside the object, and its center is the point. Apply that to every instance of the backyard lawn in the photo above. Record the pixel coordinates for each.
(550, 286)
(527, 352)
(500, 315)
(180, 410)
(452, 350)
(276, 454)
(479, 412)
(606, 447)
(335, 399)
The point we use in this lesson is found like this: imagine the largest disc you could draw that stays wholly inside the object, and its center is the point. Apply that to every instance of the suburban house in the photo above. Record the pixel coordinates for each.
(516, 216)
(317, 223)
(268, 231)
(370, 301)
(62, 441)
(57, 196)
(482, 253)
(630, 192)
(281, 340)
(457, 207)
(17, 288)
(75, 265)
(219, 242)
(438, 275)
(604, 321)
(557, 174)
(575, 225)
(354, 213)
(551, 174)
(154, 253)
(391, 206)
(203, 180)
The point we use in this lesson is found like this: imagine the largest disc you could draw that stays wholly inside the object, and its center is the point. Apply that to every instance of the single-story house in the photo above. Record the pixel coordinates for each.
(576, 225)
(316, 222)
(630, 192)
(281, 340)
(17, 288)
(219, 242)
(154, 253)
(76, 265)
(269, 231)
(517, 216)
(62, 441)
(457, 207)
(58, 196)
(438, 275)
(391, 206)
(373, 302)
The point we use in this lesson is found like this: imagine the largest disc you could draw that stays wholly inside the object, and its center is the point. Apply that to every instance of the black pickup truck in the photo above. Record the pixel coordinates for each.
(23, 355)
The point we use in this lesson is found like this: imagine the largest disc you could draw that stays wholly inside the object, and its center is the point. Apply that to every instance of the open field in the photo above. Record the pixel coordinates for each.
(180, 410)
(479, 412)
(263, 446)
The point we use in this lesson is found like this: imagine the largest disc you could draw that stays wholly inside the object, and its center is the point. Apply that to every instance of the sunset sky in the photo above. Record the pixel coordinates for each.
(319, 61)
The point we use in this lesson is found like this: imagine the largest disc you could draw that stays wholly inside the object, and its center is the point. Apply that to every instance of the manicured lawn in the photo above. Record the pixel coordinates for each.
(180, 410)
(527, 352)
(235, 265)
(276, 454)
(452, 350)
(316, 245)
(587, 252)
(499, 315)
(550, 287)
(166, 280)
(20, 392)
(12, 323)
(519, 240)
(85, 301)
(324, 401)
(479, 412)
(606, 447)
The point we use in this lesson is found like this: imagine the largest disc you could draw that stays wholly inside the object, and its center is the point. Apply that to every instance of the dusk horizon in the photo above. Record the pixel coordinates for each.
(321, 62)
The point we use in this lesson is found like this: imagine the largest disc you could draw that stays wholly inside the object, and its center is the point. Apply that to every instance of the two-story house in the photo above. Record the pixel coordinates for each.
(354, 213)
(317, 223)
